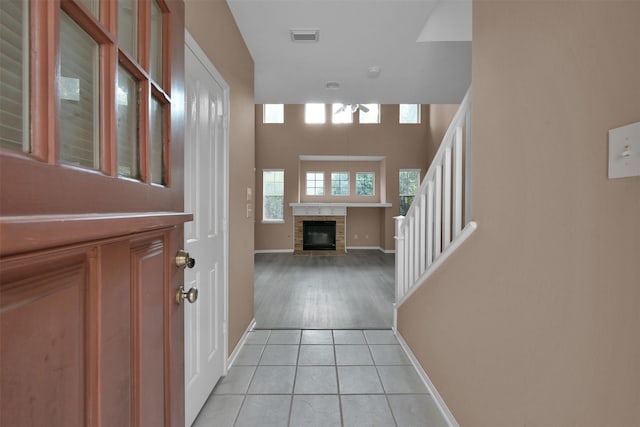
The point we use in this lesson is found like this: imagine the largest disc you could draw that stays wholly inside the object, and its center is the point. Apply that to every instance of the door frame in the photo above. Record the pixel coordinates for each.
(192, 44)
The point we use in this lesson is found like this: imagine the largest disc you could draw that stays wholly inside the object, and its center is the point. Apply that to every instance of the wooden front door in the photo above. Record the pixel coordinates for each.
(91, 213)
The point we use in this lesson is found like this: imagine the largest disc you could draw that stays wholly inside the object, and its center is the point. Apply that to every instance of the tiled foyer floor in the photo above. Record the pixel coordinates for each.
(320, 378)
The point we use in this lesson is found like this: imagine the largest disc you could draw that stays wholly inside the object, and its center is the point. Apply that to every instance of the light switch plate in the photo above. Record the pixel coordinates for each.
(624, 151)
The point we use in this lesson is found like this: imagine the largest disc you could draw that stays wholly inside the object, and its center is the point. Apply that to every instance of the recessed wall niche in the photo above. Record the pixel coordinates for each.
(349, 164)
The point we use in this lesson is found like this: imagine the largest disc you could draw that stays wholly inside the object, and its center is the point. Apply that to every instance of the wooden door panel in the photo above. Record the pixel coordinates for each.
(115, 334)
(149, 297)
(43, 343)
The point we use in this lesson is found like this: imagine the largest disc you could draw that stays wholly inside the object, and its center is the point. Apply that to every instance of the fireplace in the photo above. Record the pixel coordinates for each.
(336, 245)
(319, 235)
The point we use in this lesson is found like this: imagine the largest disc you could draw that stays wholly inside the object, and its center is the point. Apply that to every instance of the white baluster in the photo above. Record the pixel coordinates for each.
(416, 243)
(429, 223)
(412, 236)
(446, 238)
(457, 183)
(422, 251)
(437, 219)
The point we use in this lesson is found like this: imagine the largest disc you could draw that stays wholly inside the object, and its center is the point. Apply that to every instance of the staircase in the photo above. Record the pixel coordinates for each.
(439, 219)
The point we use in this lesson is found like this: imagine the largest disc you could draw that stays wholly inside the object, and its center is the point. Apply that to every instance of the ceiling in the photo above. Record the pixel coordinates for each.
(422, 47)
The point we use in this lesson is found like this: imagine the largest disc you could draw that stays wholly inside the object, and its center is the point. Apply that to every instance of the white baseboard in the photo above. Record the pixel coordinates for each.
(372, 248)
(273, 251)
(243, 339)
(444, 410)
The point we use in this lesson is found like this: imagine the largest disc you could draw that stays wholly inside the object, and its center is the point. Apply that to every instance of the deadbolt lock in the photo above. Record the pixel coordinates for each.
(191, 295)
(184, 260)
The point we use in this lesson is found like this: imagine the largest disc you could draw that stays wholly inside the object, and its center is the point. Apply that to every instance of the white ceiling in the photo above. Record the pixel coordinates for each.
(355, 35)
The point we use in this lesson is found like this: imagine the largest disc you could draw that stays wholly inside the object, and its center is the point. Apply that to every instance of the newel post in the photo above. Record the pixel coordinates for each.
(400, 274)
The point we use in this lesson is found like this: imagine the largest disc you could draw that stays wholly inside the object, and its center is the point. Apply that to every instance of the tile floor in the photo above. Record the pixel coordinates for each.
(320, 378)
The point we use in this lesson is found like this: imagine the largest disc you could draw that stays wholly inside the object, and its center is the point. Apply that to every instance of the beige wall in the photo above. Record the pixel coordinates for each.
(440, 116)
(535, 321)
(213, 26)
(278, 146)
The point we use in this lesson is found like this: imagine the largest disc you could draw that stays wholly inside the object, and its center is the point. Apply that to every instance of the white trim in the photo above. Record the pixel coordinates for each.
(342, 158)
(273, 221)
(464, 234)
(241, 342)
(366, 248)
(442, 406)
(341, 205)
(388, 251)
(273, 251)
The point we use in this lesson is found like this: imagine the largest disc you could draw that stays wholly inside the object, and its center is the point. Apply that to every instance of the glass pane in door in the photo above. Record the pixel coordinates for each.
(92, 5)
(128, 26)
(156, 43)
(156, 136)
(127, 126)
(78, 92)
(14, 75)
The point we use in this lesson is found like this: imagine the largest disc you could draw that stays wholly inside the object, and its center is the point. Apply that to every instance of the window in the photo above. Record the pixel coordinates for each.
(371, 116)
(409, 113)
(14, 69)
(273, 113)
(339, 183)
(341, 114)
(315, 184)
(314, 113)
(111, 89)
(409, 184)
(365, 184)
(273, 195)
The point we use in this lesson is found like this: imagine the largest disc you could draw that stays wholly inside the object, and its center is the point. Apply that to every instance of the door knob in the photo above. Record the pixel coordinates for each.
(191, 295)
(184, 260)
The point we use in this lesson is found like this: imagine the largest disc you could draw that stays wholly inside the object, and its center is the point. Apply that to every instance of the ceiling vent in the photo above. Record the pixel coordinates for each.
(304, 36)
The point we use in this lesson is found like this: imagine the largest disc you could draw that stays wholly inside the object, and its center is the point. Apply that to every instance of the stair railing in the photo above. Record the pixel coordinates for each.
(439, 218)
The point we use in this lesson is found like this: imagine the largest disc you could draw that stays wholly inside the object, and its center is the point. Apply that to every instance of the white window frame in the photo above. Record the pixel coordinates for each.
(280, 119)
(418, 118)
(315, 187)
(344, 117)
(339, 180)
(400, 194)
(312, 120)
(361, 113)
(265, 195)
(373, 189)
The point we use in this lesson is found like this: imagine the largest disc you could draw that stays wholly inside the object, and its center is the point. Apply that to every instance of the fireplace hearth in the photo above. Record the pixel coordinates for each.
(319, 235)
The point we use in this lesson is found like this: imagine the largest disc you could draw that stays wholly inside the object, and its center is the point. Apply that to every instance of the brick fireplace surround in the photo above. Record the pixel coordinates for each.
(340, 235)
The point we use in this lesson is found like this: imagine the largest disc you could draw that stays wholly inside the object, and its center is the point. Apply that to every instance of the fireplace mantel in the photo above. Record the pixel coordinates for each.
(337, 209)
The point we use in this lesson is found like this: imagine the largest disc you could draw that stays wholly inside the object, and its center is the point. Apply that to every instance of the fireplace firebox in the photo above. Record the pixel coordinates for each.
(319, 235)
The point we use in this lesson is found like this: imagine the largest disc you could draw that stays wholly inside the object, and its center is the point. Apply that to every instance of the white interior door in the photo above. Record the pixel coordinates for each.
(206, 169)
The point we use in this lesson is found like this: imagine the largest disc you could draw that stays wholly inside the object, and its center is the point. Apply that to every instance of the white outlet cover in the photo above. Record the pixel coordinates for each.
(624, 140)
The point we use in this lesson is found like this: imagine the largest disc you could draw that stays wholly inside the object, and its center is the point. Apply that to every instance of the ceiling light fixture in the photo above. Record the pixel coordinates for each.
(353, 108)
(373, 72)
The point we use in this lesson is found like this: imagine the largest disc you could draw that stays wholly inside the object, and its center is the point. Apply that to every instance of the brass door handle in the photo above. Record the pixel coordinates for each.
(191, 295)
(184, 260)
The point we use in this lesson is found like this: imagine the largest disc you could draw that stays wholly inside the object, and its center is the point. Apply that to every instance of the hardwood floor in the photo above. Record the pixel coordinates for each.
(354, 291)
